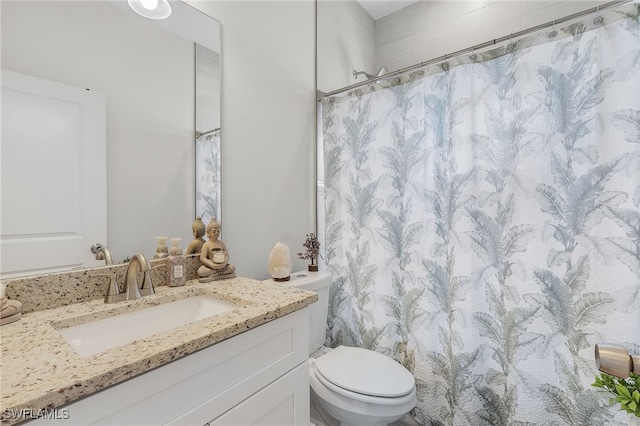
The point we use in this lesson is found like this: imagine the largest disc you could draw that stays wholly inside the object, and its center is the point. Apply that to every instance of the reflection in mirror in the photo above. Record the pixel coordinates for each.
(145, 72)
(207, 133)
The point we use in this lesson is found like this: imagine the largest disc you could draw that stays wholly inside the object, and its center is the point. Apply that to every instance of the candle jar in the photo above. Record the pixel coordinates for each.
(218, 257)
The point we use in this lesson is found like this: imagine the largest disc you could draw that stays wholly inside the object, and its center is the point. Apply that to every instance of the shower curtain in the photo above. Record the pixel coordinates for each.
(208, 176)
(482, 222)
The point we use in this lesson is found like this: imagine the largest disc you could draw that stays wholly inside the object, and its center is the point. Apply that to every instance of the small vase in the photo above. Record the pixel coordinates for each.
(634, 420)
(313, 268)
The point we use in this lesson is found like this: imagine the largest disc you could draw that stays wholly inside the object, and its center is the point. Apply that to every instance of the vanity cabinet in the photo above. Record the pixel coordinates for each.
(257, 377)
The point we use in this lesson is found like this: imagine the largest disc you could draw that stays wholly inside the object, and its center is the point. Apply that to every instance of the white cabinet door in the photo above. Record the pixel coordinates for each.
(285, 402)
(53, 174)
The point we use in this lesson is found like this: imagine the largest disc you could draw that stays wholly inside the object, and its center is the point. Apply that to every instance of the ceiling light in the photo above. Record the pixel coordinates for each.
(152, 9)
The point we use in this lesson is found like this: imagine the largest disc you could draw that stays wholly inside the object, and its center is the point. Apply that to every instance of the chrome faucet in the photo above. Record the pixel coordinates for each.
(102, 253)
(138, 263)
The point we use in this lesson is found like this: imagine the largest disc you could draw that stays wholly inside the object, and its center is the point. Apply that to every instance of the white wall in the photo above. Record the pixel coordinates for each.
(208, 80)
(150, 159)
(268, 122)
(346, 41)
(430, 29)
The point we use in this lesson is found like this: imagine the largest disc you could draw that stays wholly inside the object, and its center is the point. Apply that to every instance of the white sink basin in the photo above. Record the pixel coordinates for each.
(99, 335)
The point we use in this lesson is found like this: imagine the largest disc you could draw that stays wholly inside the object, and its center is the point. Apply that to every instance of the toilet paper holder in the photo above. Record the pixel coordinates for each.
(615, 360)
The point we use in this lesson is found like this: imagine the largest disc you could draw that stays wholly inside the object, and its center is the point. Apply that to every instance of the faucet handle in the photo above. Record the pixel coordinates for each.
(113, 289)
(147, 285)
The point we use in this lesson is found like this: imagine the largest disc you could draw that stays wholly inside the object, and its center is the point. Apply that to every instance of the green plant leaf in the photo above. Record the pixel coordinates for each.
(623, 391)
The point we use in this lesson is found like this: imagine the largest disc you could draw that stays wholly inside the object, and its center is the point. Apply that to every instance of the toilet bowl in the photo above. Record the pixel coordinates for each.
(350, 386)
(361, 387)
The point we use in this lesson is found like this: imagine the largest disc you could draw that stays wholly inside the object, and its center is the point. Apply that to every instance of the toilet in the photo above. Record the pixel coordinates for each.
(350, 386)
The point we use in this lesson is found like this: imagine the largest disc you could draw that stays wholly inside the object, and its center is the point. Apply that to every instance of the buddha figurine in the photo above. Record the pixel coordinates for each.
(214, 257)
(198, 229)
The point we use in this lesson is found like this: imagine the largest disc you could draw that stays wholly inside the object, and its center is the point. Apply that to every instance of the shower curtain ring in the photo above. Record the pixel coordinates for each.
(598, 20)
(445, 64)
(553, 32)
(510, 46)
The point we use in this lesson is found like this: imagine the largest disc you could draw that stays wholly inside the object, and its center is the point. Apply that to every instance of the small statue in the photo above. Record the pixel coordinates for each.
(280, 263)
(198, 230)
(214, 257)
(312, 253)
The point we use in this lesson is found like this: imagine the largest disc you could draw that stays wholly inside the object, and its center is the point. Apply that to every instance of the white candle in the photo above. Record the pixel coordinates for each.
(218, 257)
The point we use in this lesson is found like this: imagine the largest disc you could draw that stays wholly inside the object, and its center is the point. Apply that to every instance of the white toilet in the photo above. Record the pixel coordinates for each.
(350, 386)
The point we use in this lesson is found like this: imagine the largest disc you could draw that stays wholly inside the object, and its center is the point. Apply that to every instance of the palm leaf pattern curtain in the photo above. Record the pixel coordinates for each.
(208, 176)
(482, 222)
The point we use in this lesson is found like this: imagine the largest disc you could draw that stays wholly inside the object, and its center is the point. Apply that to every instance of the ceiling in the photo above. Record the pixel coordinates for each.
(380, 8)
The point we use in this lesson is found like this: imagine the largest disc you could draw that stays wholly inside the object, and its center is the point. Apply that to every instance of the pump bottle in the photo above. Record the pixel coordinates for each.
(176, 265)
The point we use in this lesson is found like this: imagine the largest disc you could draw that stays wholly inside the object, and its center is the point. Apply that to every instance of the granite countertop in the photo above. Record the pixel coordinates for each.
(39, 369)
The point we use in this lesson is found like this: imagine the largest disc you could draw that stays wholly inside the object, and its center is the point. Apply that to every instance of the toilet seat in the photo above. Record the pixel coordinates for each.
(364, 375)
(355, 396)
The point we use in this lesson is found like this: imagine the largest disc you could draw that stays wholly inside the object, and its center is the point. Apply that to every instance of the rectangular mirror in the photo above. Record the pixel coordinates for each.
(146, 71)
(208, 133)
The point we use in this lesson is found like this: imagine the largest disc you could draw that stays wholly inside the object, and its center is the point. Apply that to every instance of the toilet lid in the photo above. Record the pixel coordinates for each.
(365, 372)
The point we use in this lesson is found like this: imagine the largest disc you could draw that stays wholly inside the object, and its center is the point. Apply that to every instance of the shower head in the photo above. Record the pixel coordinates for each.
(382, 71)
(615, 360)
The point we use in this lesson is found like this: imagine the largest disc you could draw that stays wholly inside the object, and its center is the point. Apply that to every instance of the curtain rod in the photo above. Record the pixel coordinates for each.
(207, 133)
(471, 49)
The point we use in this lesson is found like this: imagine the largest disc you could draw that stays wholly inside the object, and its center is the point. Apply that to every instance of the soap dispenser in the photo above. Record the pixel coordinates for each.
(176, 265)
(161, 248)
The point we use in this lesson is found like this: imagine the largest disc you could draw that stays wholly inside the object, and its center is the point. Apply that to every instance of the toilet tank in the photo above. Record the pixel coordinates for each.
(320, 283)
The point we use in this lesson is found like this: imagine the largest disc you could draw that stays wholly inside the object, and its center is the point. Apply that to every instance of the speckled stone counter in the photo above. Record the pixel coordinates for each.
(40, 370)
(48, 291)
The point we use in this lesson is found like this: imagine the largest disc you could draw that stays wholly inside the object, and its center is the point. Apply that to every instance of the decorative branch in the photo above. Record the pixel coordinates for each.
(313, 249)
